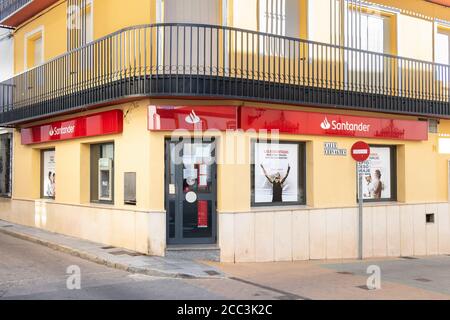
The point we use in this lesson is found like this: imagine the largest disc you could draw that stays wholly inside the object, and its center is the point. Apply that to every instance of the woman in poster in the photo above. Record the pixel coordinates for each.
(277, 184)
(377, 185)
(50, 186)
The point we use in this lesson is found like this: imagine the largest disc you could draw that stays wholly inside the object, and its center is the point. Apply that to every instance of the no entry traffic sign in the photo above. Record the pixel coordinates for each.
(360, 151)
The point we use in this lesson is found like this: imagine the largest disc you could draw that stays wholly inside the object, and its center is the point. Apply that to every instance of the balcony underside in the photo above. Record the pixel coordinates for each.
(218, 87)
(22, 10)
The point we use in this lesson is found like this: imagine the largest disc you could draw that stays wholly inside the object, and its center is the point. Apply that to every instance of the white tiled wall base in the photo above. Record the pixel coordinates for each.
(134, 230)
(289, 235)
(260, 236)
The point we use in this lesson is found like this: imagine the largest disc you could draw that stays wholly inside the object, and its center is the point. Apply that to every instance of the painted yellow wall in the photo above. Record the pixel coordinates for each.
(417, 8)
(133, 152)
(109, 16)
(331, 181)
(415, 38)
(411, 35)
(53, 21)
(112, 15)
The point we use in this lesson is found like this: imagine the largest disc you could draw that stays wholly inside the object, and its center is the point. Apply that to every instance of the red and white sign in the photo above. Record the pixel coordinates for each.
(202, 214)
(168, 118)
(163, 118)
(360, 151)
(311, 123)
(109, 122)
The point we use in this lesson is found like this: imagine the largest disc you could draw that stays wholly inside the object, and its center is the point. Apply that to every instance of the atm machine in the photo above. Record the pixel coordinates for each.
(105, 176)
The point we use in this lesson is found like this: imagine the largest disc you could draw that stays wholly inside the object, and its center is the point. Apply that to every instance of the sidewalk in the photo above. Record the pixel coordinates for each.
(117, 258)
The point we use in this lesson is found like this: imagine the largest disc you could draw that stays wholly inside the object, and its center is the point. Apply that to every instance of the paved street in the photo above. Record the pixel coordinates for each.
(32, 271)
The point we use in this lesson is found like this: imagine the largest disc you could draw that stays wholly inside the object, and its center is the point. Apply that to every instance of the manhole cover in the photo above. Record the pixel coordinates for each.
(423, 280)
(409, 258)
(123, 253)
(7, 226)
(346, 273)
(119, 253)
(108, 248)
(134, 254)
(364, 288)
(212, 272)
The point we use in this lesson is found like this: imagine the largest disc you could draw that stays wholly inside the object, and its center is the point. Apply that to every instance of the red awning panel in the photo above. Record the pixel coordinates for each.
(27, 12)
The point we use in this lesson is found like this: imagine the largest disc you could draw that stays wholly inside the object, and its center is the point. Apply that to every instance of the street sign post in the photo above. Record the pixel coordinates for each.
(360, 153)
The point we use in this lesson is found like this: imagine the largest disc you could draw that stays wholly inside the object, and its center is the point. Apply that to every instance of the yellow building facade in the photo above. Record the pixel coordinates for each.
(258, 86)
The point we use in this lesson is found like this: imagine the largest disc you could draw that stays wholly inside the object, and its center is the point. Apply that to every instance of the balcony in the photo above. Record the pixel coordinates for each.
(215, 62)
(15, 12)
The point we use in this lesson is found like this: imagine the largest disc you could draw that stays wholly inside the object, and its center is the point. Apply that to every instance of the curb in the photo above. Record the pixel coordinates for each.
(92, 258)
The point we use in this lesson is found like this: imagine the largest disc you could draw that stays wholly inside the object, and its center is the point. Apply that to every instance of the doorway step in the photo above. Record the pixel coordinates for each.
(194, 252)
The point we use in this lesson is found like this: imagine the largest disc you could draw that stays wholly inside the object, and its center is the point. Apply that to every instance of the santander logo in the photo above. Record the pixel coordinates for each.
(192, 118)
(325, 125)
(344, 126)
(55, 131)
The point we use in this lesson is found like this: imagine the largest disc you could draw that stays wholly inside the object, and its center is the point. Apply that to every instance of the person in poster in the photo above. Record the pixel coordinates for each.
(377, 185)
(369, 187)
(49, 174)
(50, 185)
(377, 174)
(276, 173)
(277, 184)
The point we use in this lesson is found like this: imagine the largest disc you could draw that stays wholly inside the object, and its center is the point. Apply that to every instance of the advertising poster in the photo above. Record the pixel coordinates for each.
(276, 173)
(377, 175)
(202, 214)
(49, 174)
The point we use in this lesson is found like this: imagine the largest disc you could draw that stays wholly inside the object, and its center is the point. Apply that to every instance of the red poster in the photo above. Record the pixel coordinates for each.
(104, 123)
(202, 214)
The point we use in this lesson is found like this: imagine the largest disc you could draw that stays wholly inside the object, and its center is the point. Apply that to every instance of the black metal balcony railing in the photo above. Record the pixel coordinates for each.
(8, 7)
(186, 60)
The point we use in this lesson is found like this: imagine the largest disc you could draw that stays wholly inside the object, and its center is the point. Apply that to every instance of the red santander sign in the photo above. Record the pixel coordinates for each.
(360, 151)
(169, 118)
(109, 122)
(313, 123)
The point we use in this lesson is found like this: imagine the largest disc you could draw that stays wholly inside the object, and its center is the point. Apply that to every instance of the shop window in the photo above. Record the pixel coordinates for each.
(380, 174)
(5, 164)
(102, 173)
(278, 173)
(48, 174)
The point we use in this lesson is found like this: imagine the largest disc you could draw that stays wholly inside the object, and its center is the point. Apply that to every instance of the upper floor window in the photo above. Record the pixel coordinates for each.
(280, 18)
(192, 11)
(442, 53)
(80, 23)
(367, 31)
(34, 48)
(272, 15)
(442, 49)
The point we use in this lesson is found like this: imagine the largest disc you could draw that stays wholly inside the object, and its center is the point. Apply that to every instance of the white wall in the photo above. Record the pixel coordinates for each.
(6, 55)
(390, 230)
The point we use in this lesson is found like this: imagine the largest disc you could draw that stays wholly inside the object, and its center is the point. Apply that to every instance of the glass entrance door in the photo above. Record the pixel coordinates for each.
(191, 192)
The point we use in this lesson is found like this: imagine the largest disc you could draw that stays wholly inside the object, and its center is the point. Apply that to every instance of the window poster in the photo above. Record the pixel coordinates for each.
(49, 174)
(276, 173)
(377, 174)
